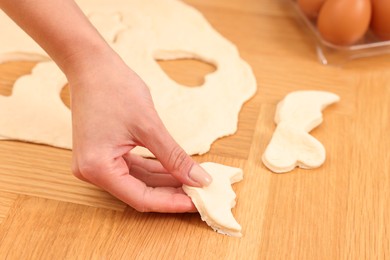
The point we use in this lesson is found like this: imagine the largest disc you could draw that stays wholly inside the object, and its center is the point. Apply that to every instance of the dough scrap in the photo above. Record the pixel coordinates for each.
(215, 201)
(291, 146)
(143, 32)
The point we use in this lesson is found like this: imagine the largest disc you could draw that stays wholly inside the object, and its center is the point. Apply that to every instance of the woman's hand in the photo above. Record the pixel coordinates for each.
(112, 113)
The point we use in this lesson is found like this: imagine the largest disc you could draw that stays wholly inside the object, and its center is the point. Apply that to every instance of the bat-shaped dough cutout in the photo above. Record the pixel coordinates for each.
(291, 146)
(215, 201)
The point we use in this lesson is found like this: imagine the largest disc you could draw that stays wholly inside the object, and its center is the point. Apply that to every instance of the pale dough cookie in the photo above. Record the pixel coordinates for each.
(215, 201)
(143, 32)
(291, 145)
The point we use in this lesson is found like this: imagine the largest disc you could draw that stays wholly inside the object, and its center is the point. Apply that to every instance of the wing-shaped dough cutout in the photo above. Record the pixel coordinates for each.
(291, 145)
(215, 201)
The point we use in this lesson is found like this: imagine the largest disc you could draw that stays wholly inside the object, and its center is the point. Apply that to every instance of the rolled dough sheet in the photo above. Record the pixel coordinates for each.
(142, 32)
(215, 201)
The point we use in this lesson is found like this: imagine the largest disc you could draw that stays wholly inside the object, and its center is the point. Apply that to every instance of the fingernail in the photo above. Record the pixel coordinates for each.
(199, 175)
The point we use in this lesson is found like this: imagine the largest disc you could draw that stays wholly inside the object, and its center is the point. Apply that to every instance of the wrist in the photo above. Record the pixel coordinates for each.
(83, 59)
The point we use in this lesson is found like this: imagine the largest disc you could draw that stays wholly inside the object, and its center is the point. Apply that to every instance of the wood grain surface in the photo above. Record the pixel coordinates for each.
(338, 211)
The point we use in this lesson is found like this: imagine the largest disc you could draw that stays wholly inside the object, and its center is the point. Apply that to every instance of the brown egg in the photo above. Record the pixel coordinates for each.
(311, 8)
(344, 22)
(380, 22)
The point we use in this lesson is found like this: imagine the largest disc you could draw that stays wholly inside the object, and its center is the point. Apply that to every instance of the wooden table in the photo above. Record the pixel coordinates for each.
(338, 211)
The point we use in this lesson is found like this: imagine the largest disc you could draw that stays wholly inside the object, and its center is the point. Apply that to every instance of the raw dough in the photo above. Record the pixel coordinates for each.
(291, 145)
(35, 111)
(141, 32)
(215, 201)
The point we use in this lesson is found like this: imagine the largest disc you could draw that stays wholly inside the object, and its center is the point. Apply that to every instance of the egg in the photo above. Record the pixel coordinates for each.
(380, 21)
(311, 8)
(344, 22)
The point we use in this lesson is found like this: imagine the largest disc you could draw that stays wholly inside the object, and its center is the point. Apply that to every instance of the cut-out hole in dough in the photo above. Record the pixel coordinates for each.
(10, 72)
(65, 95)
(187, 72)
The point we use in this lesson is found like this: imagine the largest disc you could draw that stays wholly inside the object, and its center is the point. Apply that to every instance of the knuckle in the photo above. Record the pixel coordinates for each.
(142, 204)
(179, 161)
(76, 171)
(140, 208)
(144, 128)
(88, 167)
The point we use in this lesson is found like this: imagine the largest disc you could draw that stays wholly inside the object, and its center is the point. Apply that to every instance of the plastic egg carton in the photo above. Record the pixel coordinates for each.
(330, 54)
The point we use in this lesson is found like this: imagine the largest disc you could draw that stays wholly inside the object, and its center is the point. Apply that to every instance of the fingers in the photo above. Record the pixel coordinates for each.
(113, 176)
(150, 171)
(135, 193)
(138, 195)
(174, 159)
(154, 179)
(147, 164)
(168, 200)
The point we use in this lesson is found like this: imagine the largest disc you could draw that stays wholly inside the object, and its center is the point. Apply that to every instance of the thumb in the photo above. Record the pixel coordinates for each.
(174, 159)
